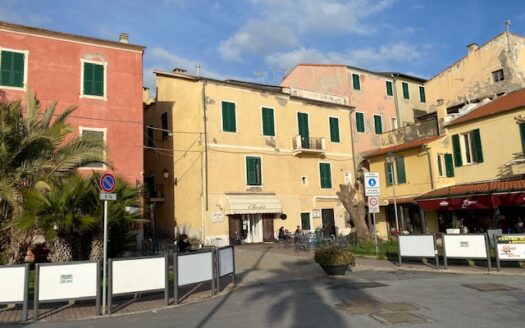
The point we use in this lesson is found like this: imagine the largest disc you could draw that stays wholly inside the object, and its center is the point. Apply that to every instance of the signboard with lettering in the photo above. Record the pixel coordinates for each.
(511, 247)
(217, 217)
(372, 184)
(373, 204)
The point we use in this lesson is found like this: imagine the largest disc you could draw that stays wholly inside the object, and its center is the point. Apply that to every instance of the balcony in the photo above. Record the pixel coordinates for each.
(155, 193)
(408, 133)
(303, 145)
(518, 164)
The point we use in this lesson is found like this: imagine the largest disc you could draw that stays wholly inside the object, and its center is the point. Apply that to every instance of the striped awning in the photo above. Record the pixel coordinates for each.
(252, 203)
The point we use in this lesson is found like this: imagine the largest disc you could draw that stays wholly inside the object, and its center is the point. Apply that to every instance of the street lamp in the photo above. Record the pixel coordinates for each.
(391, 159)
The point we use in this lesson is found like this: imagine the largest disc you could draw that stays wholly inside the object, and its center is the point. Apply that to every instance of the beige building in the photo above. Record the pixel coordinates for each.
(232, 161)
(496, 67)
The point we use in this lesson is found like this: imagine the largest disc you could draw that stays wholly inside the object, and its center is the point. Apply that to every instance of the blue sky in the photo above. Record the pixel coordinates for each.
(259, 40)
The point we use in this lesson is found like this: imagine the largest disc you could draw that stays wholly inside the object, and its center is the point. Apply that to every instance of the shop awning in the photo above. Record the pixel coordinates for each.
(245, 203)
(480, 195)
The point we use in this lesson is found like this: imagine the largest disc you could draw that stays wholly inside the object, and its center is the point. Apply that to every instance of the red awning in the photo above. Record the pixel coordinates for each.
(479, 202)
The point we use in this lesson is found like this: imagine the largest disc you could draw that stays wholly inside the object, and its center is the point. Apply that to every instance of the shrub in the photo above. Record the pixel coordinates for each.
(334, 255)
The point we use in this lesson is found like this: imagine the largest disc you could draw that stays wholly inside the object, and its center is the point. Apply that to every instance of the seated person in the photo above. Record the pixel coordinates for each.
(281, 235)
(183, 243)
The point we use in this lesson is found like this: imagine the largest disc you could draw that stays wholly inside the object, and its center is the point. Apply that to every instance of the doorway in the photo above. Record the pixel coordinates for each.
(328, 222)
(302, 121)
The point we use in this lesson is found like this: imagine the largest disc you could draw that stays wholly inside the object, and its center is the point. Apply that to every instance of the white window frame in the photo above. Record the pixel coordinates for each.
(364, 121)
(103, 130)
(382, 125)
(500, 77)
(424, 92)
(262, 122)
(403, 92)
(246, 171)
(466, 147)
(96, 62)
(393, 123)
(386, 92)
(360, 84)
(331, 175)
(26, 68)
(338, 129)
(442, 171)
(236, 118)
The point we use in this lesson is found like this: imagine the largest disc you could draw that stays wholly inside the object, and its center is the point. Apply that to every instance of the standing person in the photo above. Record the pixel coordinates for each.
(518, 228)
(297, 235)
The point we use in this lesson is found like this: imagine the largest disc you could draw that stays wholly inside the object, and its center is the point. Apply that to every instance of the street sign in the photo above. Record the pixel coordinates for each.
(373, 204)
(372, 184)
(107, 196)
(108, 183)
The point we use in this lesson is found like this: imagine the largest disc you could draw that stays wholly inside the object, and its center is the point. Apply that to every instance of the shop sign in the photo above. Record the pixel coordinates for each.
(511, 247)
(256, 207)
(316, 213)
(217, 217)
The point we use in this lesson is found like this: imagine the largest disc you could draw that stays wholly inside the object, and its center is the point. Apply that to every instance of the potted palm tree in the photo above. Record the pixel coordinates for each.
(334, 260)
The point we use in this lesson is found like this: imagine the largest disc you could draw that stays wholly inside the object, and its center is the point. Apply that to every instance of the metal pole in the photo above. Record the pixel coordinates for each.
(375, 234)
(105, 263)
(394, 196)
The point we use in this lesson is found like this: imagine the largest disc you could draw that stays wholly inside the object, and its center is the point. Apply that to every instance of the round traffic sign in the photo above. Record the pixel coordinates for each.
(372, 182)
(372, 201)
(108, 182)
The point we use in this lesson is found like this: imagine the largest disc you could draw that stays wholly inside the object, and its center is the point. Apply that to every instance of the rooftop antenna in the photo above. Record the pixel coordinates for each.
(507, 25)
(260, 75)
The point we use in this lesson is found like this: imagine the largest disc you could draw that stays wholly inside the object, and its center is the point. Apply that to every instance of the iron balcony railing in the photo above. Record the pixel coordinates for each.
(308, 144)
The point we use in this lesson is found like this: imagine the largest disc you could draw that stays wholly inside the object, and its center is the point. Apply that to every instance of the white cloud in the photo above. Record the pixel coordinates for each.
(379, 59)
(256, 37)
(282, 24)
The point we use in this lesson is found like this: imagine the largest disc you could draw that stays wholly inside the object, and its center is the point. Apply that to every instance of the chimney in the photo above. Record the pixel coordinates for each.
(123, 37)
(178, 70)
(441, 111)
(197, 70)
(471, 47)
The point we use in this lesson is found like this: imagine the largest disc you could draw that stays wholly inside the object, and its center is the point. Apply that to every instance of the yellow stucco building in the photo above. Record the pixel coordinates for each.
(232, 161)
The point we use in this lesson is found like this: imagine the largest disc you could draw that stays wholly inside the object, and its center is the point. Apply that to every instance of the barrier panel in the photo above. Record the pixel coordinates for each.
(422, 246)
(225, 263)
(67, 281)
(14, 283)
(133, 275)
(510, 248)
(467, 246)
(192, 268)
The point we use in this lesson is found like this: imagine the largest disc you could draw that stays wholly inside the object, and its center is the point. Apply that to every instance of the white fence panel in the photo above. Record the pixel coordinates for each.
(225, 261)
(68, 281)
(465, 246)
(417, 245)
(12, 284)
(135, 275)
(193, 268)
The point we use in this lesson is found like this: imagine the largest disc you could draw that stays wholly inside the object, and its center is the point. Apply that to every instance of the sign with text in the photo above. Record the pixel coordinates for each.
(511, 247)
(373, 204)
(106, 196)
(372, 184)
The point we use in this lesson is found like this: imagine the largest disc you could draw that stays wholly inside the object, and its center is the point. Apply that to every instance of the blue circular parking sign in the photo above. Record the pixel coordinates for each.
(108, 182)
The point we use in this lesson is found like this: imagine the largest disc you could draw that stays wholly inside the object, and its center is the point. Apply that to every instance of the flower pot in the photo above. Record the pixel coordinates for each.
(335, 270)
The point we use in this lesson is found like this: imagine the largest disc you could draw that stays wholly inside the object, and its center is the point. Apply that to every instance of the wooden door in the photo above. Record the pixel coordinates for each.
(328, 221)
(268, 234)
(234, 229)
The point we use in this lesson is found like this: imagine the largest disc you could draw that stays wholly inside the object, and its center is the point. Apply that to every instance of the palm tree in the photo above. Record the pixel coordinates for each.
(34, 147)
(61, 210)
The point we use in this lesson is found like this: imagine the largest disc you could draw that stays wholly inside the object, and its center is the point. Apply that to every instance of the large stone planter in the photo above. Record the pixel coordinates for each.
(335, 270)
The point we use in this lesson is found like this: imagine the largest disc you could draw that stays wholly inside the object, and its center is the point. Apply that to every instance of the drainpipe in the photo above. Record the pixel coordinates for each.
(352, 144)
(205, 119)
(399, 123)
(421, 212)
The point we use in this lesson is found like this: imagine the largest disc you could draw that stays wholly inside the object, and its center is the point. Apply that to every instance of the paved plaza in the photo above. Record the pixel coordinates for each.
(278, 287)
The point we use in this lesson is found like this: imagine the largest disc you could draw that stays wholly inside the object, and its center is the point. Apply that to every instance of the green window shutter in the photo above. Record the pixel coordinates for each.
(95, 137)
(449, 165)
(360, 122)
(422, 97)
(12, 69)
(400, 168)
(93, 79)
(389, 174)
(389, 89)
(457, 150)
(228, 117)
(478, 152)
(522, 134)
(406, 94)
(378, 124)
(305, 221)
(356, 82)
(268, 122)
(326, 175)
(334, 129)
(253, 171)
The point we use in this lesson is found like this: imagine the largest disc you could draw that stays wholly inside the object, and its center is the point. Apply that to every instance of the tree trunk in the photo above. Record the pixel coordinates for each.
(356, 209)
(97, 248)
(61, 250)
(18, 243)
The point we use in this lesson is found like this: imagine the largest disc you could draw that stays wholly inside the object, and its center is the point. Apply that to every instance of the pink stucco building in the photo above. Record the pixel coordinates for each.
(103, 78)
(381, 100)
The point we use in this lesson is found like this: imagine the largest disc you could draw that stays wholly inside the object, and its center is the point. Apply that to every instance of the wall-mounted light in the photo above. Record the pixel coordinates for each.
(165, 173)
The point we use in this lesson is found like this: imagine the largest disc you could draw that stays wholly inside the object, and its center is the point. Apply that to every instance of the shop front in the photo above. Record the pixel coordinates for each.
(477, 207)
(250, 217)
